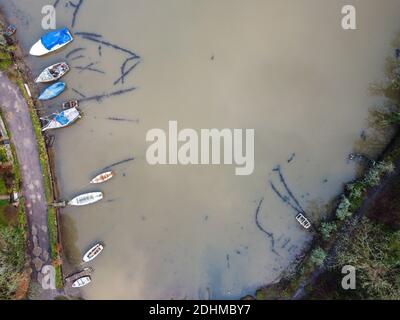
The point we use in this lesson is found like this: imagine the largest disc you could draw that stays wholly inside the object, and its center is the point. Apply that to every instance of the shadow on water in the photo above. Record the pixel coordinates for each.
(72, 254)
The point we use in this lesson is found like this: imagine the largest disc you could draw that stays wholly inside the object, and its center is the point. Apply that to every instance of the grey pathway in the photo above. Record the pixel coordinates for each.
(16, 114)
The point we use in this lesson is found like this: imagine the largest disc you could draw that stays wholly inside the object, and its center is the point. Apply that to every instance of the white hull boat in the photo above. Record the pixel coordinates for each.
(85, 199)
(53, 73)
(63, 119)
(51, 42)
(102, 177)
(93, 252)
(303, 221)
(81, 282)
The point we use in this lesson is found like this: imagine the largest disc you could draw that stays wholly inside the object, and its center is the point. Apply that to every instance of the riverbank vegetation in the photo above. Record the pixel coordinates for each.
(364, 228)
(14, 275)
(11, 62)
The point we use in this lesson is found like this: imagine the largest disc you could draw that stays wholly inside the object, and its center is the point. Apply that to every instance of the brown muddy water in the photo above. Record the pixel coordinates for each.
(284, 68)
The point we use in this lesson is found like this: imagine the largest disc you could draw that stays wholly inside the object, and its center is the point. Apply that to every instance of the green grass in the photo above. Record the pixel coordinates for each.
(3, 154)
(3, 188)
(3, 204)
(5, 60)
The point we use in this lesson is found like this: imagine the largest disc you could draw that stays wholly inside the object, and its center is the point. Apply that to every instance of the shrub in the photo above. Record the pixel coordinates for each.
(326, 229)
(374, 175)
(342, 211)
(375, 251)
(318, 256)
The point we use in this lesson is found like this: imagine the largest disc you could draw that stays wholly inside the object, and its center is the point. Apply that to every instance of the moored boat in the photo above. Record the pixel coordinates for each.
(81, 282)
(93, 252)
(70, 104)
(63, 119)
(52, 91)
(51, 41)
(303, 221)
(10, 30)
(102, 177)
(53, 73)
(85, 199)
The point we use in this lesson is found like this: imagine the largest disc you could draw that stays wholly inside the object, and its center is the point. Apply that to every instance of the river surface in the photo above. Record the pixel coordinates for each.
(284, 68)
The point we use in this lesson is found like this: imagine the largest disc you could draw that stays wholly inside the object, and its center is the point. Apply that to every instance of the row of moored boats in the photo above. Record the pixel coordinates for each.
(48, 43)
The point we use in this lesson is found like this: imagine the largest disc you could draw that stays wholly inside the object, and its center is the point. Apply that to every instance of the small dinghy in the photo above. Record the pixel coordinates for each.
(103, 177)
(303, 221)
(53, 73)
(93, 252)
(81, 282)
(85, 199)
(70, 104)
(11, 30)
(52, 91)
(63, 119)
(51, 41)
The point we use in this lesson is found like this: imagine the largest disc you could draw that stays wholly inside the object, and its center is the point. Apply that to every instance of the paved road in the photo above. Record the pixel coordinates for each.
(16, 115)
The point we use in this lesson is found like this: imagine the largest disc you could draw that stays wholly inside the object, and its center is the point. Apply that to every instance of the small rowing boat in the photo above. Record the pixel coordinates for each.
(93, 252)
(11, 30)
(70, 104)
(303, 221)
(81, 282)
(53, 73)
(85, 199)
(63, 119)
(52, 91)
(51, 42)
(102, 177)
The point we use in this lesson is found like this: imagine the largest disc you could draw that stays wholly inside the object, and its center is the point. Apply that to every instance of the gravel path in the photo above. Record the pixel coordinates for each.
(16, 114)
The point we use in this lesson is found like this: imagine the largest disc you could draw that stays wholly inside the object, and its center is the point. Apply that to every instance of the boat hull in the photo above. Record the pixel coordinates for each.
(45, 76)
(70, 116)
(38, 49)
(97, 249)
(86, 199)
(53, 91)
(103, 177)
(81, 282)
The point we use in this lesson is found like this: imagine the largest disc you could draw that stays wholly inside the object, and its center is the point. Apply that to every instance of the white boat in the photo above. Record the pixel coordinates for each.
(53, 73)
(81, 282)
(303, 221)
(102, 177)
(51, 42)
(63, 119)
(85, 199)
(93, 252)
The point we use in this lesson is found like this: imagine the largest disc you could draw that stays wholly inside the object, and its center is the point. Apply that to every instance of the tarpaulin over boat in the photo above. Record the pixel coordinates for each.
(54, 38)
(62, 119)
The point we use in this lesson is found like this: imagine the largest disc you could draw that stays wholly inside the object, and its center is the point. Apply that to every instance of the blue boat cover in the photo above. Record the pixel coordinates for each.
(61, 119)
(56, 37)
(52, 91)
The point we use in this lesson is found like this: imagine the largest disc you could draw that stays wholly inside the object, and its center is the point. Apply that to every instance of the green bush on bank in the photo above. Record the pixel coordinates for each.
(318, 256)
(12, 260)
(375, 250)
(327, 229)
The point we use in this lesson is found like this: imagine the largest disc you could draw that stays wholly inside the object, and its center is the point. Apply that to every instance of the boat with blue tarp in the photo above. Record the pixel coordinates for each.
(63, 119)
(51, 42)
